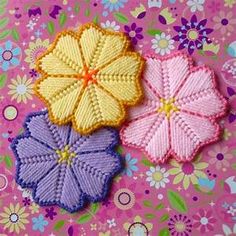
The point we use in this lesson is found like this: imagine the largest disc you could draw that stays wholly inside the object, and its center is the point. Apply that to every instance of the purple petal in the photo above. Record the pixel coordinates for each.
(138, 30)
(206, 31)
(230, 91)
(98, 141)
(191, 47)
(198, 44)
(134, 41)
(127, 29)
(232, 117)
(102, 161)
(139, 36)
(201, 24)
(133, 26)
(193, 20)
(179, 29)
(38, 127)
(184, 21)
(31, 171)
(176, 38)
(182, 45)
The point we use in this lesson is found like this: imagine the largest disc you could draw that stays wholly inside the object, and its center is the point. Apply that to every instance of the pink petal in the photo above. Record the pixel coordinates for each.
(203, 229)
(199, 79)
(202, 212)
(175, 70)
(148, 133)
(153, 76)
(196, 225)
(187, 135)
(208, 103)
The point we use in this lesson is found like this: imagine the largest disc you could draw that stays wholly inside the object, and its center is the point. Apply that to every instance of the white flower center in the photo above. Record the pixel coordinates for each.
(204, 221)
(14, 217)
(21, 89)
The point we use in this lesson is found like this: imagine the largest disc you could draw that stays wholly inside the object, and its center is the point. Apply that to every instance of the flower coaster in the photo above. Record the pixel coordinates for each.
(178, 115)
(62, 166)
(88, 77)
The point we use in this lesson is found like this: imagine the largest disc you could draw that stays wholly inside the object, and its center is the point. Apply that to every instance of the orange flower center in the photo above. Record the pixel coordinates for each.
(88, 76)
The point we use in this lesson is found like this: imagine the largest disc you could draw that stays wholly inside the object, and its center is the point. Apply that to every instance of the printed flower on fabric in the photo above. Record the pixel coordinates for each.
(113, 5)
(137, 227)
(178, 114)
(35, 50)
(192, 34)
(88, 77)
(10, 55)
(61, 166)
(14, 218)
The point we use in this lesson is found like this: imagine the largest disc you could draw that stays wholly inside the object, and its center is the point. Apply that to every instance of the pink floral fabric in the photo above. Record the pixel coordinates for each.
(179, 111)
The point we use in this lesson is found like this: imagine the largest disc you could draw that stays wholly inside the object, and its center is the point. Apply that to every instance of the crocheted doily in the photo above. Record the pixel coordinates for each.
(178, 115)
(88, 77)
(62, 166)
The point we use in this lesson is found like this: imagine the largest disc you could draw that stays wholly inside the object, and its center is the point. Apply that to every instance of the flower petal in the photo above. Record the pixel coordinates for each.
(50, 86)
(120, 78)
(187, 135)
(149, 133)
(96, 108)
(63, 105)
(175, 77)
(59, 186)
(99, 141)
(101, 161)
(68, 50)
(54, 65)
(100, 47)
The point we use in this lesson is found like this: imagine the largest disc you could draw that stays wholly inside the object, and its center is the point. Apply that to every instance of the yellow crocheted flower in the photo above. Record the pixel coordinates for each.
(88, 77)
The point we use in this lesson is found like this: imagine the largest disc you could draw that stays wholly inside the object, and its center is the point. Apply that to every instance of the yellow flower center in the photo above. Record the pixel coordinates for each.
(180, 226)
(163, 43)
(192, 34)
(65, 155)
(168, 107)
(157, 176)
(88, 76)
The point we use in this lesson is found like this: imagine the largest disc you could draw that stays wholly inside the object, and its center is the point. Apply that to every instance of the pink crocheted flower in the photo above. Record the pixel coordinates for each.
(178, 114)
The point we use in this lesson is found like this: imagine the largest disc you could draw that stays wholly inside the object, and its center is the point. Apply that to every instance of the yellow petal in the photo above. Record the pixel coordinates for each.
(99, 46)
(67, 46)
(126, 226)
(4, 220)
(138, 219)
(53, 65)
(17, 229)
(50, 86)
(12, 208)
(193, 179)
(7, 210)
(149, 226)
(201, 165)
(186, 182)
(17, 207)
(4, 215)
(97, 108)
(121, 78)
(62, 106)
(199, 173)
(174, 171)
(178, 178)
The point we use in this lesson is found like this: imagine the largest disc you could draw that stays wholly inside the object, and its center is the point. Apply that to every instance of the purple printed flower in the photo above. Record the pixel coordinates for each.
(63, 167)
(134, 33)
(180, 225)
(50, 213)
(192, 34)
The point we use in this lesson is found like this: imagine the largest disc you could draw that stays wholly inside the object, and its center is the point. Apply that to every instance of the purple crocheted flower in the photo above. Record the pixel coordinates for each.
(192, 34)
(134, 33)
(62, 166)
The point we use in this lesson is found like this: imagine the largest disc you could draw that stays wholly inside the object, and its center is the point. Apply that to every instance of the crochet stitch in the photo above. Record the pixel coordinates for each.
(179, 112)
(62, 166)
(88, 77)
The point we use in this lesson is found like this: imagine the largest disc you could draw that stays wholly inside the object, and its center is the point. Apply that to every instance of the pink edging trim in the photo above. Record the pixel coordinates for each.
(212, 118)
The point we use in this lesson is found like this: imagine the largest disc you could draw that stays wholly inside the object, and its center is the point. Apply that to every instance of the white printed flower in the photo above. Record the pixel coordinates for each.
(195, 5)
(110, 25)
(162, 44)
(157, 177)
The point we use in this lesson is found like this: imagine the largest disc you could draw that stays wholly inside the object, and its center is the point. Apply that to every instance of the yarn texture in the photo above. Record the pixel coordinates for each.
(63, 167)
(179, 112)
(88, 77)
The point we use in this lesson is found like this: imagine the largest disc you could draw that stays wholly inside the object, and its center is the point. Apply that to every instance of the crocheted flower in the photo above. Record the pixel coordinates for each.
(178, 115)
(88, 77)
(62, 166)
